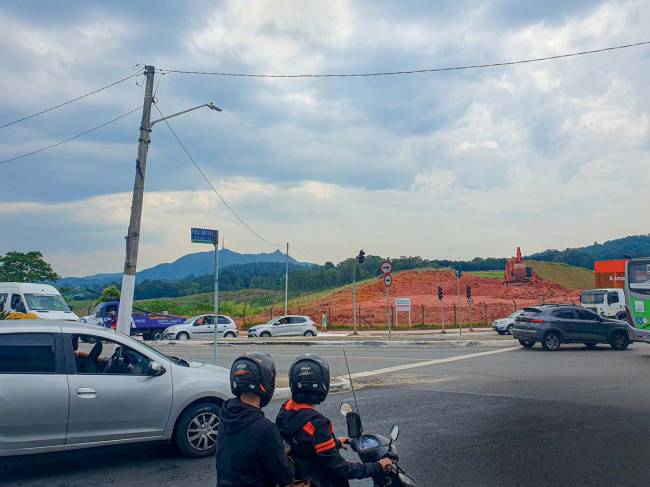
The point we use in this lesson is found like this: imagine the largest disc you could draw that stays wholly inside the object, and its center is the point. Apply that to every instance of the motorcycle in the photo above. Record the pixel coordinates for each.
(373, 447)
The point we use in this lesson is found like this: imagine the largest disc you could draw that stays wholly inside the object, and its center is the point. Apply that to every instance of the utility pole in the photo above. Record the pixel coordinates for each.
(286, 283)
(133, 236)
(216, 292)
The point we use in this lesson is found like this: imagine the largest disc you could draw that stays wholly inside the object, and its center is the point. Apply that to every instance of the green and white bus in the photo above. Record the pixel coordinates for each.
(637, 299)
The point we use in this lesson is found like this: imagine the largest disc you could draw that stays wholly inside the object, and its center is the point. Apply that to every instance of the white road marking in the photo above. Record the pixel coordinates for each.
(397, 368)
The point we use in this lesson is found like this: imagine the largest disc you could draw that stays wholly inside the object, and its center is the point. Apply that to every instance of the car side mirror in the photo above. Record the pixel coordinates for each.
(155, 369)
(394, 432)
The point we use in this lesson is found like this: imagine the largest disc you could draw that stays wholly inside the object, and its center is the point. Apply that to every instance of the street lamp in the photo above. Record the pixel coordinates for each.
(133, 235)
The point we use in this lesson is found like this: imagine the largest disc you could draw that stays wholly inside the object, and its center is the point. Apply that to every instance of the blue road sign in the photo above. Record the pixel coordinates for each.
(204, 235)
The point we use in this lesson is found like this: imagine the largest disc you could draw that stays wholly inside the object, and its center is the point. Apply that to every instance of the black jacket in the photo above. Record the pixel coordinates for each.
(250, 451)
(315, 449)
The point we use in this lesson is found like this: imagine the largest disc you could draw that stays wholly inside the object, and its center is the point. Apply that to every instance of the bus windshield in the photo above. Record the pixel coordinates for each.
(46, 302)
(639, 275)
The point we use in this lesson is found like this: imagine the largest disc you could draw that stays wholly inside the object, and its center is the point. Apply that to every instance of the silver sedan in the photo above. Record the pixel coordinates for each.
(66, 386)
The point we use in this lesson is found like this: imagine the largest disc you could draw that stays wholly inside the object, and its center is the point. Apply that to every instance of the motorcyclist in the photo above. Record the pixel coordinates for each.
(314, 447)
(250, 450)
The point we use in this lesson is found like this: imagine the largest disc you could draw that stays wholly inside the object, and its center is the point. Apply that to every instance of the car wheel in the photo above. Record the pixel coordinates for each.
(591, 346)
(551, 342)
(619, 341)
(501, 332)
(527, 343)
(265, 334)
(183, 336)
(308, 333)
(229, 334)
(509, 329)
(196, 430)
(156, 335)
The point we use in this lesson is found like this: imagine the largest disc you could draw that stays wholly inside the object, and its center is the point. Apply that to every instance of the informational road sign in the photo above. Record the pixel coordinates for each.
(204, 235)
(388, 280)
(386, 267)
(403, 304)
(470, 301)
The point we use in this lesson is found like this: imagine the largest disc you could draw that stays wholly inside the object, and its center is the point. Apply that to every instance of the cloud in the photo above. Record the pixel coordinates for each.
(441, 165)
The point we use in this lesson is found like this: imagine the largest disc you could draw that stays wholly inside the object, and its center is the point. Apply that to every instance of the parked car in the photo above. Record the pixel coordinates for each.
(202, 327)
(41, 300)
(67, 386)
(289, 325)
(505, 325)
(552, 325)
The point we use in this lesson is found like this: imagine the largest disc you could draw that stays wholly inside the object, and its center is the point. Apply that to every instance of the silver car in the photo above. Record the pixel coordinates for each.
(202, 327)
(288, 325)
(505, 325)
(66, 386)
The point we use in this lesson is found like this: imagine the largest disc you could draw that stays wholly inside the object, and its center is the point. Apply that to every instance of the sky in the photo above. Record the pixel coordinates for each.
(442, 165)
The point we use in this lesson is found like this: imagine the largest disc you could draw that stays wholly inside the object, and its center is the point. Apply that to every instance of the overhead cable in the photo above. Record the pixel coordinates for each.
(405, 72)
(61, 142)
(71, 100)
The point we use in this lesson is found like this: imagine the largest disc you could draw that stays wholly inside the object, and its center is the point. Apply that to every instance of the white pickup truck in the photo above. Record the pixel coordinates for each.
(609, 303)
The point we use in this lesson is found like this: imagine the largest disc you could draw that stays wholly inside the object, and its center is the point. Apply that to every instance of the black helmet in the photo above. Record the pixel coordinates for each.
(309, 379)
(253, 372)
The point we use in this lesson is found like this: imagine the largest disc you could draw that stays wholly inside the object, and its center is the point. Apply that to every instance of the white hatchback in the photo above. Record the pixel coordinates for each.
(505, 325)
(288, 325)
(202, 328)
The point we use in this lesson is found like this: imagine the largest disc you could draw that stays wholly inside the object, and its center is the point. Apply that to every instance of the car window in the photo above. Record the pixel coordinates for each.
(17, 303)
(3, 300)
(99, 355)
(584, 314)
(564, 314)
(27, 353)
(223, 320)
(298, 320)
(612, 298)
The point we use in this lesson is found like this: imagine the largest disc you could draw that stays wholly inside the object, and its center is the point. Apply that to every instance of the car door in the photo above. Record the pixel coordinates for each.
(112, 395)
(33, 391)
(591, 326)
(614, 303)
(566, 321)
(204, 330)
(281, 327)
(223, 325)
(298, 324)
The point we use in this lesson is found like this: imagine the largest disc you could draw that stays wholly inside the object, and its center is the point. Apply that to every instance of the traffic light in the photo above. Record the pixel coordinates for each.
(441, 293)
(468, 291)
(459, 273)
(361, 257)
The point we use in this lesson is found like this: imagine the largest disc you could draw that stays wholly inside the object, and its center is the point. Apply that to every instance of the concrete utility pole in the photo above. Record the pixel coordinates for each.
(133, 236)
(354, 296)
(286, 283)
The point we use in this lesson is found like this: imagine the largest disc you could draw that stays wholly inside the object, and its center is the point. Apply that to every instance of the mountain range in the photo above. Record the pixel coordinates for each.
(197, 264)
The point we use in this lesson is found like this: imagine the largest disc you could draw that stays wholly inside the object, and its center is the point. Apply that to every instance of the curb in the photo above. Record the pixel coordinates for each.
(354, 343)
(337, 385)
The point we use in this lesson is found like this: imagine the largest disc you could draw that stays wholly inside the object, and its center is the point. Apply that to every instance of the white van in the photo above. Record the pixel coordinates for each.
(41, 300)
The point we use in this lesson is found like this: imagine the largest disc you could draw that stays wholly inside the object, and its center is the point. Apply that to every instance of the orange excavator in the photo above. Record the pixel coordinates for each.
(516, 270)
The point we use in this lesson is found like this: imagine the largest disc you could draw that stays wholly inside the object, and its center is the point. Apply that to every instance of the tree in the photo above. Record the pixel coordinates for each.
(110, 293)
(26, 267)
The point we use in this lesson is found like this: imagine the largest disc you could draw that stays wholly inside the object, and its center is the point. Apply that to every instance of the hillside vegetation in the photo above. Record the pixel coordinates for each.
(567, 276)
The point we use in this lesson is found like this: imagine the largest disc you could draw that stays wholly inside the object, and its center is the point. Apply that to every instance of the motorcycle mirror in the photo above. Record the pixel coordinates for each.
(353, 421)
(346, 409)
(394, 432)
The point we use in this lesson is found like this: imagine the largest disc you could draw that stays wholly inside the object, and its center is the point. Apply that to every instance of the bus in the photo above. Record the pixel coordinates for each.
(637, 299)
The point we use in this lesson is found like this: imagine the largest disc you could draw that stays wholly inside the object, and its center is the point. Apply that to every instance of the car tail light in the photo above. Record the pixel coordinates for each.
(537, 321)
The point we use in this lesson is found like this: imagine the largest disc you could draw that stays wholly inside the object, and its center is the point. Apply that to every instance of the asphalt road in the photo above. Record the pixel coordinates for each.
(522, 417)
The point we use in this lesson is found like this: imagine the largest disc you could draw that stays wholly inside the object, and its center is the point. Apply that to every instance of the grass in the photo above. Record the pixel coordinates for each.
(488, 274)
(565, 275)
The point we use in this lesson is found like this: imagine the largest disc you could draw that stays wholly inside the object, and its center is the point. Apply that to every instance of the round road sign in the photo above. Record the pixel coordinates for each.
(388, 280)
(386, 267)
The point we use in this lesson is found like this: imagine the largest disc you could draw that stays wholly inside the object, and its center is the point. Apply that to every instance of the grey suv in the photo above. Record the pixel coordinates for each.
(66, 386)
(553, 324)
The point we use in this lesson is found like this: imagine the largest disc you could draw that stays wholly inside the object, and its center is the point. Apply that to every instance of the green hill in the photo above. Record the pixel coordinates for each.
(565, 275)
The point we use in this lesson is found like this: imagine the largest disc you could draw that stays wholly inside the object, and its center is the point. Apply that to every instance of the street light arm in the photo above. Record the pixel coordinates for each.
(210, 105)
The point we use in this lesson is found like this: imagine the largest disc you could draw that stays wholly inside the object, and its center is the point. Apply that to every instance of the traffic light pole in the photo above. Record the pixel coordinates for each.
(442, 318)
(354, 297)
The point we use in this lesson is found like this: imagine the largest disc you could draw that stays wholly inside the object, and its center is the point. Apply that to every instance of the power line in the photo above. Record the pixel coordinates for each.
(198, 168)
(295, 249)
(72, 100)
(412, 71)
(61, 142)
